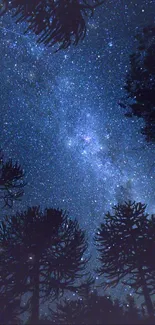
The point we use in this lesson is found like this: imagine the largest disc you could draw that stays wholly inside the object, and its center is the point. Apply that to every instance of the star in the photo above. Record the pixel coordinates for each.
(61, 118)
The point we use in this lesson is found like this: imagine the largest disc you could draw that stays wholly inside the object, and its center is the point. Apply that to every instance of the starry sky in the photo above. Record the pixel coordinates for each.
(61, 120)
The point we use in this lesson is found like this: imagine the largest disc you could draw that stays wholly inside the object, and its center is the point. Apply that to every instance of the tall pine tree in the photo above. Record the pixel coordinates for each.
(125, 242)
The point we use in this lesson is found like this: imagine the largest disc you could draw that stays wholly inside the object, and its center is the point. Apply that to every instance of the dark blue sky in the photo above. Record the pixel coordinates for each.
(61, 119)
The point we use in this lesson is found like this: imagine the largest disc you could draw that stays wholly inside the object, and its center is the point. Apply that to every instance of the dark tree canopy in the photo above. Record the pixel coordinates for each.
(126, 243)
(60, 22)
(97, 309)
(11, 181)
(131, 311)
(140, 83)
(10, 304)
(94, 309)
(48, 250)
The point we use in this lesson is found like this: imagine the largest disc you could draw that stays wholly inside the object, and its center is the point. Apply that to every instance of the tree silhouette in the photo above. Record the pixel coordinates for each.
(94, 309)
(9, 309)
(140, 83)
(11, 181)
(131, 313)
(60, 22)
(42, 254)
(123, 242)
(69, 312)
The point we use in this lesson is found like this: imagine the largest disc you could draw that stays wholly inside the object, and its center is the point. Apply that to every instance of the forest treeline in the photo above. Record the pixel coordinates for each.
(43, 253)
(43, 256)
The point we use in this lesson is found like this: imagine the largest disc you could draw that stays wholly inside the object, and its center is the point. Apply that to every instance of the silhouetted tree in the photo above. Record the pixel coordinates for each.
(69, 312)
(41, 254)
(11, 181)
(140, 83)
(9, 308)
(60, 22)
(131, 313)
(91, 310)
(123, 242)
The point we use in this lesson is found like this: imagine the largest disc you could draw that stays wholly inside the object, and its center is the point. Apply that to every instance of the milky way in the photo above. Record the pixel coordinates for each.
(62, 122)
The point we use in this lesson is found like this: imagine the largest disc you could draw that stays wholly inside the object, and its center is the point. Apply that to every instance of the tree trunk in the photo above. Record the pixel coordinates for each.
(145, 289)
(35, 294)
(146, 294)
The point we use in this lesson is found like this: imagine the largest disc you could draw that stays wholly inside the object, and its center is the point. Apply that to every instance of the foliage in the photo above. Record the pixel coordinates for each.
(42, 254)
(125, 242)
(9, 309)
(11, 181)
(131, 313)
(96, 309)
(60, 22)
(140, 83)
(91, 310)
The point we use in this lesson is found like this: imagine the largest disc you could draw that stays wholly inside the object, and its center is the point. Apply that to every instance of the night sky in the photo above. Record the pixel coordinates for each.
(61, 120)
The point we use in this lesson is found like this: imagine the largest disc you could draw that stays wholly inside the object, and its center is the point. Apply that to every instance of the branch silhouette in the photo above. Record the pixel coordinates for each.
(126, 242)
(140, 83)
(11, 181)
(60, 22)
(47, 247)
